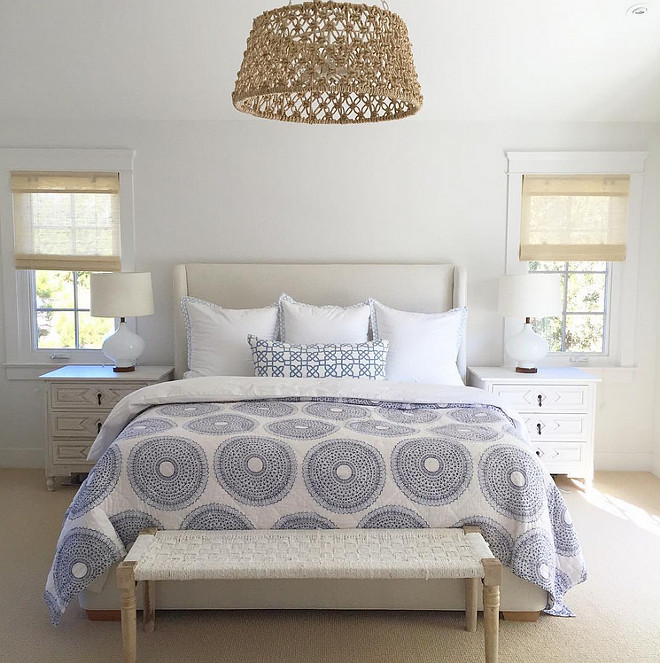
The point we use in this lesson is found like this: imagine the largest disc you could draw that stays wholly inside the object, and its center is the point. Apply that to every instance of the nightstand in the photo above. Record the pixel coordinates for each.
(558, 405)
(78, 399)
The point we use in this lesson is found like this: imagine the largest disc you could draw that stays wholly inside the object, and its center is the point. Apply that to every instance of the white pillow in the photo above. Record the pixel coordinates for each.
(304, 324)
(217, 336)
(423, 346)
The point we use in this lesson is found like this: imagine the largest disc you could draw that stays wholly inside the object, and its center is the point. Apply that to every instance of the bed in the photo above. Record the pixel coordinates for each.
(390, 425)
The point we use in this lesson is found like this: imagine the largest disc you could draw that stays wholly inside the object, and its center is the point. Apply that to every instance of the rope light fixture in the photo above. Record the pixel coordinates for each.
(328, 63)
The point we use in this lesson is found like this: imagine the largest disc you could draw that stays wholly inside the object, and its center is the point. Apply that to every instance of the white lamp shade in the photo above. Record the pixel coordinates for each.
(121, 295)
(530, 295)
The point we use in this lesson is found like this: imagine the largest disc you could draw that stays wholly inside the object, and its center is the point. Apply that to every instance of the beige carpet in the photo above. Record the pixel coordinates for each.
(618, 610)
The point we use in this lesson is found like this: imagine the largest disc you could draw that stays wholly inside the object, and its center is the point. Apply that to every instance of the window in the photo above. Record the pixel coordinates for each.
(583, 325)
(63, 215)
(60, 307)
(578, 214)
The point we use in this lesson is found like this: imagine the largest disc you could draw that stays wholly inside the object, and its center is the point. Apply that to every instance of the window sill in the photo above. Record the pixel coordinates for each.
(32, 370)
(611, 373)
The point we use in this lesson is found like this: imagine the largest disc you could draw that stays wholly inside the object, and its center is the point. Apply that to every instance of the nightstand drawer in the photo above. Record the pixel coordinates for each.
(72, 453)
(74, 424)
(558, 427)
(69, 395)
(541, 397)
(562, 453)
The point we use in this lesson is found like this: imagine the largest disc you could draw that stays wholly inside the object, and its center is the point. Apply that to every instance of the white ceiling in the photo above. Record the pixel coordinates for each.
(555, 60)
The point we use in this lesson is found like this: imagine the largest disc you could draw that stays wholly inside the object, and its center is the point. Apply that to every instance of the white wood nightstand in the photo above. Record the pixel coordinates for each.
(78, 399)
(559, 407)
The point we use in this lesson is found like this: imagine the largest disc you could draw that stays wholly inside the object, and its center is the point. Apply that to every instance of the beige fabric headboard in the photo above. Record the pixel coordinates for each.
(423, 288)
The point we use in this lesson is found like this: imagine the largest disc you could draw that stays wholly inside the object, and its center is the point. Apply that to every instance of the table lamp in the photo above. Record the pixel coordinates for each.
(529, 296)
(122, 295)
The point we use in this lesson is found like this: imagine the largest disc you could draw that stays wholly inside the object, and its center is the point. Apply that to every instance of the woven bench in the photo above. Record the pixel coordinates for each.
(341, 553)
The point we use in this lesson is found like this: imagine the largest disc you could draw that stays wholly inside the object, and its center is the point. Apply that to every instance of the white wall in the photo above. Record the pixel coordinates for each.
(409, 191)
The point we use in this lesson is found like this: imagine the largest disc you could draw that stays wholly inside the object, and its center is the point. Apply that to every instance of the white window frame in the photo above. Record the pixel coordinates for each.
(624, 277)
(17, 290)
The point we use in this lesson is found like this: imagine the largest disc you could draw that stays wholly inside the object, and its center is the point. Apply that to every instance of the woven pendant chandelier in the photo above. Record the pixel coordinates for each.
(328, 63)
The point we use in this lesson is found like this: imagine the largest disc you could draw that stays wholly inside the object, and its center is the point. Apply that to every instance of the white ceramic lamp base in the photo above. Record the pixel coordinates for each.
(123, 348)
(527, 348)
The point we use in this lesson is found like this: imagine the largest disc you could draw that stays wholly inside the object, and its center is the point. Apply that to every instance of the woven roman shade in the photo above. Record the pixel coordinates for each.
(66, 221)
(574, 217)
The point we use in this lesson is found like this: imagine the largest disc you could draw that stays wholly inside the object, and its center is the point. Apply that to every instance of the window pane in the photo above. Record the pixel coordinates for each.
(56, 329)
(550, 329)
(92, 331)
(545, 266)
(589, 266)
(83, 289)
(584, 333)
(51, 209)
(54, 289)
(586, 293)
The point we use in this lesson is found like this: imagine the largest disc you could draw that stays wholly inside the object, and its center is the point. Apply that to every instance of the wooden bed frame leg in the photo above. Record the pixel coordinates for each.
(521, 616)
(126, 584)
(104, 615)
(471, 590)
(492, 581)
(149, 605)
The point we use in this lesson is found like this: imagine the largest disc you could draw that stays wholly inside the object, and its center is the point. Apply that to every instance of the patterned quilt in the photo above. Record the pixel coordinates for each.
(310, 461)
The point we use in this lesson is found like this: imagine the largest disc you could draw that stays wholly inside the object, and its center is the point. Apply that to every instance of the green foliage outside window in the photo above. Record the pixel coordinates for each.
(582, 326)
(62, 312)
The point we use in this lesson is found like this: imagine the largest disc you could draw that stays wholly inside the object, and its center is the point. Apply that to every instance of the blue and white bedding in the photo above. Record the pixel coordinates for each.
(261, 453)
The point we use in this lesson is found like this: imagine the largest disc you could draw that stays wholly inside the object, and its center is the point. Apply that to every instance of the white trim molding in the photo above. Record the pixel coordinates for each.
(16, 285)
(623, 303)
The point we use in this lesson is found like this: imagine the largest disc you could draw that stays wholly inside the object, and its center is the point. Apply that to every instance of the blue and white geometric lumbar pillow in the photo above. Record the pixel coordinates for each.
(343, 360)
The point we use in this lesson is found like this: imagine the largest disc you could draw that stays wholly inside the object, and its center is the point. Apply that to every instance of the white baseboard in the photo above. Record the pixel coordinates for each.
(623, 461)
(21, 458)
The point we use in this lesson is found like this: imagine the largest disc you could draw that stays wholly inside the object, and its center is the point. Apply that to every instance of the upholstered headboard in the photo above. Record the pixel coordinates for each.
(423, 288)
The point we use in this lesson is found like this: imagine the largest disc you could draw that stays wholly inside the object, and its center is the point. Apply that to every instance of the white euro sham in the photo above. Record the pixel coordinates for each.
(305, 324)
(217, 337)
(423, 346)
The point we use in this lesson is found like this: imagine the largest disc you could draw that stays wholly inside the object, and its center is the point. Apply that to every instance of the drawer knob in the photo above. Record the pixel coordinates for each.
(99, 397)
(540, 397)
(98, 427)
(538, 428)
(539, 453)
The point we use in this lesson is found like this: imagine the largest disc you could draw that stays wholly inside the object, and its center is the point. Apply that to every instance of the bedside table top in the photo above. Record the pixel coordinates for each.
(96, 372)
(547, 374)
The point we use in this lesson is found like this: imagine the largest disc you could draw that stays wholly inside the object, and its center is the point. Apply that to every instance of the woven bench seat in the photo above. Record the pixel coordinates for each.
(288, 554)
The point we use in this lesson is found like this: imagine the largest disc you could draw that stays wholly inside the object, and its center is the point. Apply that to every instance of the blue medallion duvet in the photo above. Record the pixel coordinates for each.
(260, 453)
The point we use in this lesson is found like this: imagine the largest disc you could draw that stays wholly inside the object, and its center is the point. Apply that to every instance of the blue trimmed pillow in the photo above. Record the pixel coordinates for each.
(423, 346)
(275, 359)
(216, 336)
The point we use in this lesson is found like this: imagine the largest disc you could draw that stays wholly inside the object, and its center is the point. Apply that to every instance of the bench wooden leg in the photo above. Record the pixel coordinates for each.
(126, 584)
(492, 580)
(149, 603)
(471, 600)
